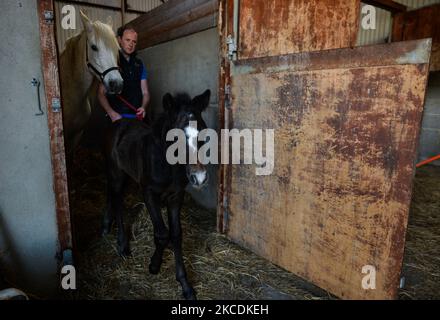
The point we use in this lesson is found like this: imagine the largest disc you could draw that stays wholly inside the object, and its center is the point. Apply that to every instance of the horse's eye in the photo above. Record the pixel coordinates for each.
(94, 47)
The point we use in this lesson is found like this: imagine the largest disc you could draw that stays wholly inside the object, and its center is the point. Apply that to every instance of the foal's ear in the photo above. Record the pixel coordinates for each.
(201, 102)
(86, 22)
(168, 102)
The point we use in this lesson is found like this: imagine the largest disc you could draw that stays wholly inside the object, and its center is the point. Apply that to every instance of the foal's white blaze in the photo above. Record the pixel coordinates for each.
(192, 133)
(201, 177)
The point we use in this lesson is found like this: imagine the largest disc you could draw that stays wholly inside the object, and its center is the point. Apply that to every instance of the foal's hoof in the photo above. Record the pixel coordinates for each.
(190, 294)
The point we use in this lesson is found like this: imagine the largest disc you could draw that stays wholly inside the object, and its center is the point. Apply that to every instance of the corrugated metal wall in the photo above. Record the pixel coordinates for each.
(378, 35)
(415, 4)
(384, 23)
(92, 12)
(96, 13)
(143, 5)
(111, 3)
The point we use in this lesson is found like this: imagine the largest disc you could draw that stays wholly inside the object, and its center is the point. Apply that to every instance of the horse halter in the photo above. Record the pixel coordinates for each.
(96, 71)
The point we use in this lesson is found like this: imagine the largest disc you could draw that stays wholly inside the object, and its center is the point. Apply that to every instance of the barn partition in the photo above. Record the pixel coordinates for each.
(346, 127)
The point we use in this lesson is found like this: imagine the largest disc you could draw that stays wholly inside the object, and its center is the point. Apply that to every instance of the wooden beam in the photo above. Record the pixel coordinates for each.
(123, 7)
(204, 23)
(388, 5)
(49, 64)
(175, 19)
(166, 11)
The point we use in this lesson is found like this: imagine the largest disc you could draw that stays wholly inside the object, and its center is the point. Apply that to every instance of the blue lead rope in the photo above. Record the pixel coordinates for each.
(128, 116)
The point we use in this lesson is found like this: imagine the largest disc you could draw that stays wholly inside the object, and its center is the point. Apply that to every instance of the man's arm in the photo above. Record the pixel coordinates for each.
(145, 97)
(106, 105)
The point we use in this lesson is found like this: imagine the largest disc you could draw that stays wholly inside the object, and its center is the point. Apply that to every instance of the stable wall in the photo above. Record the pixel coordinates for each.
(189, 64)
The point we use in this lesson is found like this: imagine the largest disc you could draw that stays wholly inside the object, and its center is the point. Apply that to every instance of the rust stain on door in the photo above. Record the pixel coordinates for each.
(269, 28)
(345, 146)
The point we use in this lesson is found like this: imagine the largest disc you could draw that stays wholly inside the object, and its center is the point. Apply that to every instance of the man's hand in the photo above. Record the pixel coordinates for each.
(114, 116)
(140, 113)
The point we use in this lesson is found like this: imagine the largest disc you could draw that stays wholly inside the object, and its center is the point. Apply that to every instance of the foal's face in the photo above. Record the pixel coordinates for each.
(103, 52)
(196, 173)
(184, 117)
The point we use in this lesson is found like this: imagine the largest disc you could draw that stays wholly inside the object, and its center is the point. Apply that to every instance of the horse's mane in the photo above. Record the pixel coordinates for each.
(105, 34)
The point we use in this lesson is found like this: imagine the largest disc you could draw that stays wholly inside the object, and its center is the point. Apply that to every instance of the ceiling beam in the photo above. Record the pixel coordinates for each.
(388, 5)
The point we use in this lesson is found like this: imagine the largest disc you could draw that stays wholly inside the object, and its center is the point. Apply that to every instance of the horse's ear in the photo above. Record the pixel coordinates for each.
(110, 21)
(201, 102)
(168, 102)
(86, 22)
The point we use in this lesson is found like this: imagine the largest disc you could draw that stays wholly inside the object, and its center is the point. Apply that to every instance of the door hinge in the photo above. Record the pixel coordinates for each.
(232, 47)
(48, 16)
(56, 105)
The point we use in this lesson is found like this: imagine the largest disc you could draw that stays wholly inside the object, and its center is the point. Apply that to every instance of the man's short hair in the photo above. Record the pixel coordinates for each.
(122, 29)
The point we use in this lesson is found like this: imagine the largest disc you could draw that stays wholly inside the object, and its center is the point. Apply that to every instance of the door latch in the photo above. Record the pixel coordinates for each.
(48, 16)
(36, 83)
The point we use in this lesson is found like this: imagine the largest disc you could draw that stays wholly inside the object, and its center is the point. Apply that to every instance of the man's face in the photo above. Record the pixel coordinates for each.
(128, 41)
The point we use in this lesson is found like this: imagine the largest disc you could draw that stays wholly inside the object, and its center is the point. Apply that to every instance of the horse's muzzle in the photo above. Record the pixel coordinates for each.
(114, 87)
(198, 179)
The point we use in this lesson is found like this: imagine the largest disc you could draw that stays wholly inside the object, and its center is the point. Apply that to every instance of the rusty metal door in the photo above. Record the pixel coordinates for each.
(346, 127)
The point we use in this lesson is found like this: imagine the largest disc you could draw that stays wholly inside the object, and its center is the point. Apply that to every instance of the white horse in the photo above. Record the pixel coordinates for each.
(91, 55)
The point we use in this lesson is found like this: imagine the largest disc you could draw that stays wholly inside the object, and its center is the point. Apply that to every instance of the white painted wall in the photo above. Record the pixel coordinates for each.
(28, 231)
(189, 64)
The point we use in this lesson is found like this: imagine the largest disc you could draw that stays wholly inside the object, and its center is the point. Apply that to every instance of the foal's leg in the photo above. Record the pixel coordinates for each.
(116, 188)
(174, 206)
(161, 234)
(108, 218)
